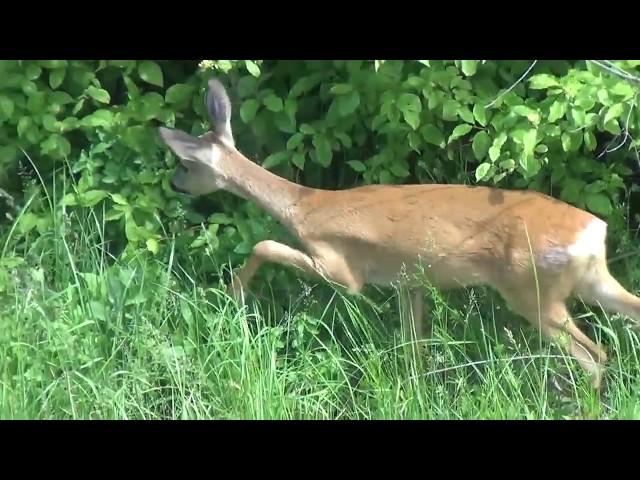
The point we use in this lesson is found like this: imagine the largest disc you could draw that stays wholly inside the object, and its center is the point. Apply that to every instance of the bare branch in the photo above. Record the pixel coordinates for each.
(612, 68)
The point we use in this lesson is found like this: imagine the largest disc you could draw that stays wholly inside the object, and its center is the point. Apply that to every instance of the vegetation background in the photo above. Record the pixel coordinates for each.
(111, 299)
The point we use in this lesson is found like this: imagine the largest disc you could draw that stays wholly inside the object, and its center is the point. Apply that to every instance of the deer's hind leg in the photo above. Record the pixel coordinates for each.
(547, 311)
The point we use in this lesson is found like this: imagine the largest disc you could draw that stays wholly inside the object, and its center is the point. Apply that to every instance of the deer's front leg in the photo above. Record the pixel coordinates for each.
(268, 251)
(332, 268)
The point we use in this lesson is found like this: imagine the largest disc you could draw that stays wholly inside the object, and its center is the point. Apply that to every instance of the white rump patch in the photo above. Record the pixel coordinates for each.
(591, 241)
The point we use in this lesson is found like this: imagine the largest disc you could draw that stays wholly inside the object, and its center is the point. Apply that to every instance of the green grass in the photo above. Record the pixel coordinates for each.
(87, 336)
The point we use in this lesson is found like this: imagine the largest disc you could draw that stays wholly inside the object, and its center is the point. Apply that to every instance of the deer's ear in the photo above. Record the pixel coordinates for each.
(219, 109)
(183, 145)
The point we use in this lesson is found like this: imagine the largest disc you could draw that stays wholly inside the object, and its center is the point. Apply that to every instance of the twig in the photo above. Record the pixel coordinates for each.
(627, 135)
(616, 70)
(512, 86)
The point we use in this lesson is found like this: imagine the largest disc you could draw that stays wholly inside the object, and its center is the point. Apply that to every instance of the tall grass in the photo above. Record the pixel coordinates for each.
(87, 336)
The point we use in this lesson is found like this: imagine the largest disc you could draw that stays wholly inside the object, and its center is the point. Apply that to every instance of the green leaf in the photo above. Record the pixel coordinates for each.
(341, 88)
(99, 118)
(69, 200)
(409, 102)
(32, 72)
(623, 89)
(294, 141)
(415, 141)
(530, 164)
(598, 203)
(613, 112)
(178, 94)
(252, 68)
(385, 177)
(24, 124)
(298, 160)
(152, 245)
(496, 147)
(49, 122)
(304, 84)
(324, 153)
(152, 104)
(529, 113)
(416, 82)
(590, 140)
(248, 110)
(412, 118)
(612, 127)
(591, 119)
(494, 152)
(29, 88)
(557, 110)
(220, 219)
(399, 168)
(6, 107)
(151, 72)
(307, 129)
(529, 141)
(124, 64)
(53, 63)
(60, 98)
(541, 148)
(69, 123)
(469, 67)
(357, 165)
(8, 153)
(247, 86)
(572, 190)
(344, 138)
(465, 114)
(36, 103)
(290, 108)
(586, 102)
(113, 214)
(55, 145)
(348, 103)
(432, 135)
(131, 230)
(480, 145)
(482, 171)
(480, 114)
(56, 77)
(459, 131)
(275, 159)
(542, 81)
(450, 110)
(603, 97)
(91, 197)
(579, 117)
(508, 164)
(566, 141)
(98, 94)
(273, 103)
(596, 187)
(119, 199)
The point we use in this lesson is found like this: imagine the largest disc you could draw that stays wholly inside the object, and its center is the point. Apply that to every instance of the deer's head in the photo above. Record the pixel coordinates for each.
(202, 159)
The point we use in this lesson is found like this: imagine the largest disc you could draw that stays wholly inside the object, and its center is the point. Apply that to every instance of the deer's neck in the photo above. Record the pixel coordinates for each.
(276, 195)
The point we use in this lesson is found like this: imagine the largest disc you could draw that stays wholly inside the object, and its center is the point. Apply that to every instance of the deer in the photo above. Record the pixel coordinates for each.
(536, 251)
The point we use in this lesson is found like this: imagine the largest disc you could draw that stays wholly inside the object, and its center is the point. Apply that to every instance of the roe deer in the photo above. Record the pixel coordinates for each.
(534, 250)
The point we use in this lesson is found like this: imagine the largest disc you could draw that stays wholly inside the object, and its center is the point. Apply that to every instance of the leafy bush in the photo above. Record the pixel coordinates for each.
(89, 128)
